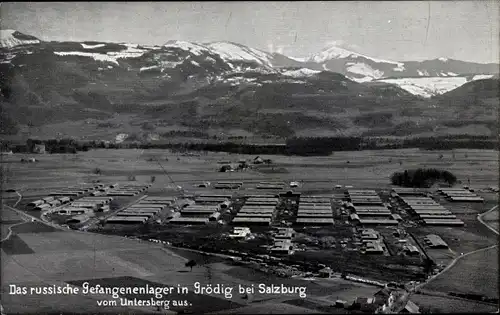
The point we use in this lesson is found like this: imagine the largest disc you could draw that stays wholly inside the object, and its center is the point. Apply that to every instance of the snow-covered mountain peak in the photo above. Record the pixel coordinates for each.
(188, 46)
(335, 52)
(231, 52)
(12, 38)
(332, 52)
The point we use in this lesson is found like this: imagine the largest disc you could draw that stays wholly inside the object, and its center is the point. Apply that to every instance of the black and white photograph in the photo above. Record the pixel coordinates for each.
(249, 157)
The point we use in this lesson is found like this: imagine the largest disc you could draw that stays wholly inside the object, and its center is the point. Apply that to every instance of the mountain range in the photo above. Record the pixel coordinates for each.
(223, 88)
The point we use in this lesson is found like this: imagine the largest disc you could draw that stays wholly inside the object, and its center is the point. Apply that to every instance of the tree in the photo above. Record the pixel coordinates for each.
(191, 264)
(225, 168)
(153, 179)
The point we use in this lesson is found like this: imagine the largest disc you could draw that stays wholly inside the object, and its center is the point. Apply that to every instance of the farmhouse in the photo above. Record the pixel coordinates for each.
(225, 204)
(314, 221)
(409, 191)
(256, 210)
(373, 214)
(397, 217)
(135, 214)
(210, 200)
(364, 304)
(354, 217)
(268, 186)
(450, 222)
(39, 148)
(64, 193)
(435, 241)
(282, 247)
(315, 199)
(160, 198)
(139, 210)
(35, 203)
(411, 250)
(54, 203)
(127, 220)
(326, 272)
(438, 216)
(284, 234)
(361, 193)
(148, 205)
(262, 202)
(466, 199)
(73, 211)
(64, 199)
(48, 199)
(240, 232)
(197, 212)
(410, 308)
(373, 247)
(89, 205)
(377, 222)
(263, 196)
(230, 183)
(367, 202)
(369, 234)
(119, 193)
(186, 220)
(252, 221)
(41, 207)
(254, 215)
(214, 217)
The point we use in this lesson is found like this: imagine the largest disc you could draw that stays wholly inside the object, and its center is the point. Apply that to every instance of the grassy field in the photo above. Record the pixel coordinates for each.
(365, 168)
(450, 305)
(476, 273)
(491, 218)
(8, 218)
(58, 257)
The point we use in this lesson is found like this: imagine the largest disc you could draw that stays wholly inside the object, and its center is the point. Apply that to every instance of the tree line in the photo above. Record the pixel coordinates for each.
(303, 146)
(422, 178)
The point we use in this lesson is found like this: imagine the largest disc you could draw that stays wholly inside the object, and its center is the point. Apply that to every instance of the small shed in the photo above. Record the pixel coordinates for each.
(326, 272)
(410, 308)
(258, 160)
(39, 148)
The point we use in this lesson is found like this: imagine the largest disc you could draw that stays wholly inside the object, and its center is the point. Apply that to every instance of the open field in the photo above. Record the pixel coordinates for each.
(8, 220)
(476, 273)
(40, 254)
(491, 218)
(71, 257)
(449, 305)
(365, 168)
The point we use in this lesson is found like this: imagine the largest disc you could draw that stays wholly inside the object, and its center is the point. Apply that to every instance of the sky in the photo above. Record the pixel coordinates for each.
(396, 30)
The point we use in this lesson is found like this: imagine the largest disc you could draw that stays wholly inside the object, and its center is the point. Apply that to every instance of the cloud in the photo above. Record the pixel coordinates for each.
(271, 48)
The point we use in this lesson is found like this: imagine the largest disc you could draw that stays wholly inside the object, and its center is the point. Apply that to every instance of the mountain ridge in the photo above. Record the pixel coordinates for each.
(216, 87)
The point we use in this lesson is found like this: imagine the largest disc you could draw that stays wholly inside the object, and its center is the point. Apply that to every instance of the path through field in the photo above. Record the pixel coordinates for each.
(472, 272)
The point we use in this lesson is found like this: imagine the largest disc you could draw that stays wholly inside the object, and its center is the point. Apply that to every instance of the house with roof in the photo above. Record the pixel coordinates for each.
(326, 272)
(364, 304)
(410, 308)
(258, 160)
(384, 296)
(39, 148)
